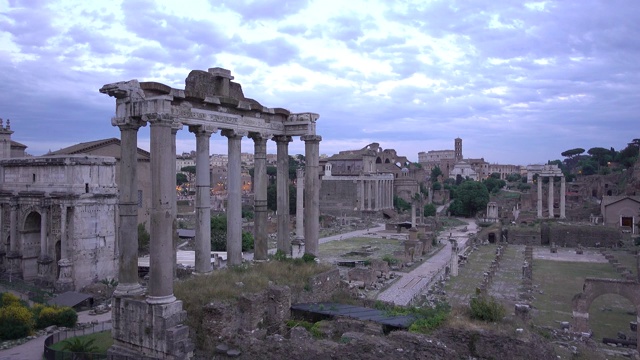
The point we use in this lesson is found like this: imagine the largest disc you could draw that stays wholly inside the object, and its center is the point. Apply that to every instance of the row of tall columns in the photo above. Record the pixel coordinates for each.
(550, 198)
(163, 211)
(375, 194)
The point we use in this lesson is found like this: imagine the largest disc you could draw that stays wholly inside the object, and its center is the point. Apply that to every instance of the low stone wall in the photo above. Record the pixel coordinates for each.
(263, 313)
(585, 235)
(524, 235)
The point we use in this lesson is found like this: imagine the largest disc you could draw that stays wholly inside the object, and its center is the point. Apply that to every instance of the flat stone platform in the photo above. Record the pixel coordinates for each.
(329, 310)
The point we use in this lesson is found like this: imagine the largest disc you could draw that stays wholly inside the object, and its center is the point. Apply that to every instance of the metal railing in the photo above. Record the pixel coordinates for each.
(52, 354)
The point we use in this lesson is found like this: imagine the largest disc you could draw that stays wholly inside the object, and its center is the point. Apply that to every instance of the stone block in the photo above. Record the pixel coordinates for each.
(367, 276)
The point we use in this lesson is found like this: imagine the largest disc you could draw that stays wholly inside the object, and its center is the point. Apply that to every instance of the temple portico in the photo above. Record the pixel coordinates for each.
(210, 102)
(551, 172)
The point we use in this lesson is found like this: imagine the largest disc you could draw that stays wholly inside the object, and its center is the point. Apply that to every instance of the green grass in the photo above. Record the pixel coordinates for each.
(559, 281)
(460, 288)
(340, 249)
(102, 341)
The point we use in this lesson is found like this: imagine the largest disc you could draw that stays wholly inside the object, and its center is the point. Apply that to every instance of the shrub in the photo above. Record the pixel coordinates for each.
(59, 316)
(486, 309)
(390, 260)
(16, 321)
(308, 258)
(143, 239)
(9, 299)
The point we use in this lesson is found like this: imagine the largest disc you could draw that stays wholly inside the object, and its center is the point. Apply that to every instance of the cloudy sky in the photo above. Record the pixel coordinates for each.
(518, 81)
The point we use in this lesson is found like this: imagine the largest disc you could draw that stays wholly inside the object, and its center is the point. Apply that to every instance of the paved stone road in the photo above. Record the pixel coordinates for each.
(413, 283)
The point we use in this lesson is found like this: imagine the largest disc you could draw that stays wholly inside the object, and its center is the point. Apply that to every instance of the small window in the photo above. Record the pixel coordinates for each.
(34, 177)
(86, 188)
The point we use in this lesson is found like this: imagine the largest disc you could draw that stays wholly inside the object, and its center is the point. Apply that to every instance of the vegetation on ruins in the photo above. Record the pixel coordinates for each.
(229, 283)
(429, 210)
(17, 320)
(401, 204)
(494, 183)
(426, 318)
(486, 308)
(181, 178)
(435, 172)
(598, 160)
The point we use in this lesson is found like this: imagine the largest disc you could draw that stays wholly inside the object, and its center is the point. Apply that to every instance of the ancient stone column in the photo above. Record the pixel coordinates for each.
(14, 266)
(312, 193)
(175, 127)
(550, 200)
(44, 260)
(413, 214)
(539, 196)
(260, 240)
(65, 281)
(299, 239)
(369, 195)
(234, 198)
(203, 198)
(454, 258)
(43, 232)
(162, 185)
(282, 189)
(361, 194)
(563, 195)
(128, 208)
(377, 194)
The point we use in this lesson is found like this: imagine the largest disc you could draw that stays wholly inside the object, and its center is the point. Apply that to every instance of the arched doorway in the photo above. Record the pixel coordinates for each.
(492, 238)
(30, 245)
(595, 288)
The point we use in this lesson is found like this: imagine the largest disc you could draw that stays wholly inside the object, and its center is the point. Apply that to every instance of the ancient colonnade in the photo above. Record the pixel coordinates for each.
(210, 102)
(551, 172)
(375, 194)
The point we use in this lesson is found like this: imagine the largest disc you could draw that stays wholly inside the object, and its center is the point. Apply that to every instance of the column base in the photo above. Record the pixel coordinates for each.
(130, 290)
(160, 300)
(152, 330)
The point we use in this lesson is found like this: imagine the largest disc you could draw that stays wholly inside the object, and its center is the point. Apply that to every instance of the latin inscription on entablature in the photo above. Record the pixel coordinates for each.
(223, 120)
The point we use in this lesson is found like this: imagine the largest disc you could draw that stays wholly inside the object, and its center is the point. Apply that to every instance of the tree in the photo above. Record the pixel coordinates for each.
(513, 177)
(494, 184)
(219, 235)
(436, 186)
(495, 175)
(81, 349)
(191, 171)
(272, 198)
(400, 204)
(601, 155)
(435, 172)
(181, 179)
(471, 197)
(572, 152)
(429, 210)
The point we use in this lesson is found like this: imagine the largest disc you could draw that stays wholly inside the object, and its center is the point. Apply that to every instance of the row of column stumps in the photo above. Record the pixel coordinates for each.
(620, 269)
(563, 196)
(487, 279)
(163, 212)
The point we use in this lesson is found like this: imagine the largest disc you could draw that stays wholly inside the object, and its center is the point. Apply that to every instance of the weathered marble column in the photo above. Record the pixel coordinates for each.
(282, 189)
(361, 194)
(413, 213)
(377, 184)
(128, 284)
(369, 197)
(234, 198)
(550, 200)
(203, 198)
(65, 281)
(43, 232)
(162, 185)
(14, 258)
(175, 127)
(312, 193)
(539, 196)
(260, 240)
(299, 239)
(563, 194)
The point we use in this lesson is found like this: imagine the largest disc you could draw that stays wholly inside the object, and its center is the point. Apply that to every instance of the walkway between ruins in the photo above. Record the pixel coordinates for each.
(411, 284)
(34, 349)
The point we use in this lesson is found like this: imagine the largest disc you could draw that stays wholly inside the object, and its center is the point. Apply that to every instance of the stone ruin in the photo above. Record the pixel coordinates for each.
(149, 321)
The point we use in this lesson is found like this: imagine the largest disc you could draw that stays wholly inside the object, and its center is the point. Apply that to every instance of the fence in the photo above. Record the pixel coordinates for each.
(51, 354)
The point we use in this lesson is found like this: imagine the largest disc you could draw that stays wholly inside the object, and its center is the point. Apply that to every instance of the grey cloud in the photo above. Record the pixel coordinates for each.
(273, 52)
(263, 9)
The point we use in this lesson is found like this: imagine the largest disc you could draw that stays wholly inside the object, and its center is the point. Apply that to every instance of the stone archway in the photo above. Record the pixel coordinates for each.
(594, 288)
(30, 241)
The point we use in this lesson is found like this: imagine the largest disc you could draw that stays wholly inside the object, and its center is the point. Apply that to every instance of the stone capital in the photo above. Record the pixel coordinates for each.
(175, 127)
(260, 136)
(127, 123)
(282, 139)
(233, 133)
(202, 130)
(162, 119)
(311, 138)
